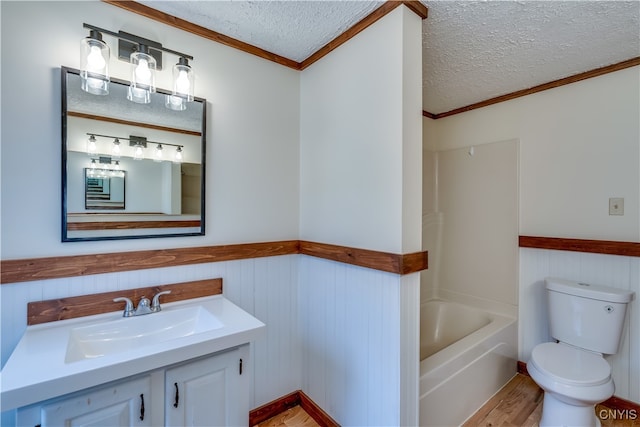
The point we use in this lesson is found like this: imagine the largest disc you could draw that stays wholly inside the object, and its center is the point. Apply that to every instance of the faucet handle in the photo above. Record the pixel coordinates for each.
(155, 305)
(128, 308)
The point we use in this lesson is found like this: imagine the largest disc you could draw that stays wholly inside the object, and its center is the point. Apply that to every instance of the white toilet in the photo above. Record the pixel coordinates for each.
(587, 321)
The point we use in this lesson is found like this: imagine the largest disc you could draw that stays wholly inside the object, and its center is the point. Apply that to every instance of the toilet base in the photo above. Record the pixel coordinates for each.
(557, 413)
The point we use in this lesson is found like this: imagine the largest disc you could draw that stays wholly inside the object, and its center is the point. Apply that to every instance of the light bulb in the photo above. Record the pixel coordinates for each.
(137, 153)
(178, 156)
(182, 82)
(143, 74)
(159, 153)
(92, 147)
(115, 149)
(93, 164)
(95, 61)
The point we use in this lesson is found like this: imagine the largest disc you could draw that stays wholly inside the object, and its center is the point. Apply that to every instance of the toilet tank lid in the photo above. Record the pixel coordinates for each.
(603, 293)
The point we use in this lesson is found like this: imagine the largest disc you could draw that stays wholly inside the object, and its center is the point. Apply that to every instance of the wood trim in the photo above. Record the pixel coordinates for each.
(316, 412)
(130, 123)
(148, 12)
(607, 247)
(88, 305)
(127, 225)
(613, 402)
(429, 115)
(522, 368)
(550, 85)
(24, 270)
(383, 261)
(360, 26)
(192, 28)
(273, 408)
(278, 406)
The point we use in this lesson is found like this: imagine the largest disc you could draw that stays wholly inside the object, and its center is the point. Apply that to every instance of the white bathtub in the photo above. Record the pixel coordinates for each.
(466, 356)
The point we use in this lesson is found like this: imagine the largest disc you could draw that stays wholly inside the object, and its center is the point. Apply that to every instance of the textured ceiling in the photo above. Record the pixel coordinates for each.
(472, 51)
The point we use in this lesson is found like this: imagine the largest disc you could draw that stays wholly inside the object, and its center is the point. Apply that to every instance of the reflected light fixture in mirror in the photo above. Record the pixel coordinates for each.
(145, 59)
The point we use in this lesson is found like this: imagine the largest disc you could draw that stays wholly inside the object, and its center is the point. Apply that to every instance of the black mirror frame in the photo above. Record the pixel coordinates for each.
(64, 72)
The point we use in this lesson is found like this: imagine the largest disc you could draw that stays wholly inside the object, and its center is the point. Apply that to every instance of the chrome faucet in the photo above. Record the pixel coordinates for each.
(144, 306)
(155, 305)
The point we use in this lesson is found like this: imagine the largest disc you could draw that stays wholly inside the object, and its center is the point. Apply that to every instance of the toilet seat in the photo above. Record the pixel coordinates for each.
(570, 365)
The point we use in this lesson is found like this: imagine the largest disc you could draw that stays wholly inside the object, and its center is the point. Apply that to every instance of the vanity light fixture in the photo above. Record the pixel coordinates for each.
(158, 154)
(145, 57)
(94, 64)
(138, 144)
(92, 147)
(107, 167)
(143, 76)
(115, 149)
(183, 82)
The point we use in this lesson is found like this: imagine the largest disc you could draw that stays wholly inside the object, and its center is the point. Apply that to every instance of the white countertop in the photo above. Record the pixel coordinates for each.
(37, 371)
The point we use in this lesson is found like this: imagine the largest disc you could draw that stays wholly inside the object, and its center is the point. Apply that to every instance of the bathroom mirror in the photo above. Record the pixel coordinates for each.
(160, 151)
(104, 190)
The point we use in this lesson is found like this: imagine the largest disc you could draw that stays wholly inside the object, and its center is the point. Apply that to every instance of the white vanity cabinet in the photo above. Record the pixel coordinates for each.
(122, 403)
(208, 391)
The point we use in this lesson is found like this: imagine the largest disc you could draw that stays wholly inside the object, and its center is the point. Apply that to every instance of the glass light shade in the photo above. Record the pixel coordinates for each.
(158, 153)
(92, 146)
(94, 64)
(115, 148)
(138, 152)
(178, 156)
(143, 77)
(175, 103)
(183, 86)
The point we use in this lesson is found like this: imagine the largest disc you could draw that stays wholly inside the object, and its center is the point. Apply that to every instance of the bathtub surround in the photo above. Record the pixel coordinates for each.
(271, 178)
(578, 147)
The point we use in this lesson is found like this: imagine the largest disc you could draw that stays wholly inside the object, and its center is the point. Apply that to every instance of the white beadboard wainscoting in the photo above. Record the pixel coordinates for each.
(264, 287)
(346, 335)
(610, 270)
(359, 333)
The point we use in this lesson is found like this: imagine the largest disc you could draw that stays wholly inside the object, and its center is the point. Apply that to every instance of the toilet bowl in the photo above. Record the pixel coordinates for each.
(586, 321)
(574, 381)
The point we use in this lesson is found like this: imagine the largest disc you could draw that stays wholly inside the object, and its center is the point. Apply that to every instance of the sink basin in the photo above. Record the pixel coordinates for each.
(100, 339)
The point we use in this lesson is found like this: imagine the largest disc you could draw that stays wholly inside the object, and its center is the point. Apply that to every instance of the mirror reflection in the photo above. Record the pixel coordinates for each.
(160, 151)
(103, 190)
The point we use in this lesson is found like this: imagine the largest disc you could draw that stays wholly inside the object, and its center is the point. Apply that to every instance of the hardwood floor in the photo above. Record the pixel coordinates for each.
(518, 404)
(293, 417)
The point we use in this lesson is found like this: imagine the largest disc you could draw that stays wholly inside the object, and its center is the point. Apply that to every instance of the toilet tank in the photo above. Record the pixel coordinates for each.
(587, 316)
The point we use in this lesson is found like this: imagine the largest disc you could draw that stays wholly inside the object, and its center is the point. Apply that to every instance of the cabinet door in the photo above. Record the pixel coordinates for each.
(121, 404)
(208, 392)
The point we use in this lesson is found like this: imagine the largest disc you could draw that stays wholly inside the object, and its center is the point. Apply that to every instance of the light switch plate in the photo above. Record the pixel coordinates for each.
(616, 206)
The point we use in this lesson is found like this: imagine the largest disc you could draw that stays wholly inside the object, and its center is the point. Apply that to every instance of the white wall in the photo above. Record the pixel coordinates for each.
(579, 145)
(360, 170)
(359, 174)
(252, 130)
(281, 164)
(252, 172)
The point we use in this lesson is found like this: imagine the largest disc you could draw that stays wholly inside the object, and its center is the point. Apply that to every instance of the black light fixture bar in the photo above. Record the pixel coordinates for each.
(136, 140)
(137, 41)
